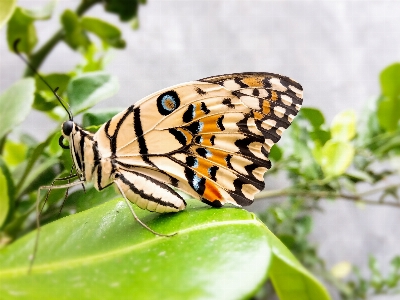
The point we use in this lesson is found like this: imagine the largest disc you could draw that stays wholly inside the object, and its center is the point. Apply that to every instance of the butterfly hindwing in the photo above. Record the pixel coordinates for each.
(210, 138)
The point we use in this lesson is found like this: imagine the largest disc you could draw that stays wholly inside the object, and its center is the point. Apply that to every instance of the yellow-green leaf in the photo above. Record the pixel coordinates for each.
(336, 157)
(4, 198)
(6, 10)
(344, 126)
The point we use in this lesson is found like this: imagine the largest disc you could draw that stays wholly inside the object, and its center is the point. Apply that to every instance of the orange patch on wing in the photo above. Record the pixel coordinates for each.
(253, 81)
(211, 192)
(266, 107)
(274, 96)
(210, 124)
(257, 115)
(219, 157)
(203, 167)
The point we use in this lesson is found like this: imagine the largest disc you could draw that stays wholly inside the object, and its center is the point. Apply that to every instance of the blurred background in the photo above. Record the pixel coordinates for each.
(335, 49)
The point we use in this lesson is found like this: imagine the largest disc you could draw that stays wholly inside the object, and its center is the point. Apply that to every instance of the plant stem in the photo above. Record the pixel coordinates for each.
(322, 194)
(2, 143)
(37, 58)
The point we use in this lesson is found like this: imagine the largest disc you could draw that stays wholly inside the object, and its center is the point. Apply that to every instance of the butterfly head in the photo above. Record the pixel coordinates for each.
(66, 129)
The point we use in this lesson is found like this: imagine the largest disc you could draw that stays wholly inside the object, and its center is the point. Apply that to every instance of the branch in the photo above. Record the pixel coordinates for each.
(37, 58)
(358, 198)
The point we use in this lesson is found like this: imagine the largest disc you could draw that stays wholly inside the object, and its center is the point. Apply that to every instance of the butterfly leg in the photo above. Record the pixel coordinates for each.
(38, 212)
(134, 214)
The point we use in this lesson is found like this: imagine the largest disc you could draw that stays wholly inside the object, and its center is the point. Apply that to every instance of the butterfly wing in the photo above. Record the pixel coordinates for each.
(210, 138)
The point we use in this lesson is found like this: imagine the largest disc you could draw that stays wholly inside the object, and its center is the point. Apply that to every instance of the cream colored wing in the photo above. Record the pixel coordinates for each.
(210, 138)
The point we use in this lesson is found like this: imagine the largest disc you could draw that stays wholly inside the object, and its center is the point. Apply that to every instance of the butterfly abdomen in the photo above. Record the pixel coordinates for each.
(148, 193)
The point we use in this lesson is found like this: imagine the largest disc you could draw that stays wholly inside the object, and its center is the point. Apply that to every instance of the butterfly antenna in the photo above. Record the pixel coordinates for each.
(62, 102)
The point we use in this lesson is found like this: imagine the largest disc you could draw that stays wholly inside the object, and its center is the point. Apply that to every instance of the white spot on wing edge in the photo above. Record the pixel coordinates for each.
(299, 93)
(280, 130)
(286, 100)
(249, 190)
(277, 85)
(268, 124)
(268, 144)
(279, 111)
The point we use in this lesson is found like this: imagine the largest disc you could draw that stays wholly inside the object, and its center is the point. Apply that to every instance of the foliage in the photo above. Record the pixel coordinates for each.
(332, 162)
(228, 241)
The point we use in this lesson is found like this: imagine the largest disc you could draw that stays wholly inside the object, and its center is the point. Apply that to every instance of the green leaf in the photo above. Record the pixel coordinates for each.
(313, 115)
(275, 153)
(10, 191)
(14, 153)
(75, 37)
(7, 8)
(81, 200)
(126, 10)
(15, 104)
(389, 105)
(388, 113)
(44, 97)
(98, 117)
(290, 279)
(320, 136)
(88, 89)
(105, 31)
(119, 258)
(103, 251)
(4, 198)
(21, 27)
(390, 81)
(344, 126)
(41, 13)
(336, 157)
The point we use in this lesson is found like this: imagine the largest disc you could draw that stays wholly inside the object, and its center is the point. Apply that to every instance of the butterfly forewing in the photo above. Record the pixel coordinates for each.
(210, 138)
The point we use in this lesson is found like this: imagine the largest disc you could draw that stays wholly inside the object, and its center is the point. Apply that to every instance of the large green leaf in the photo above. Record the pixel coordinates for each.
(216, 254)
(88, 89)
(6, 10)
(15, 104)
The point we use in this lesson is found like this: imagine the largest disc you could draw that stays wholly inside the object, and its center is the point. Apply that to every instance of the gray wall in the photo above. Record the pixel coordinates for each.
(335, 49)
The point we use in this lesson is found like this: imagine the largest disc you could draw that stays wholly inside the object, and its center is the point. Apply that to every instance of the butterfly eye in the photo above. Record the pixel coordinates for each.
(67, 127)
(168, 102)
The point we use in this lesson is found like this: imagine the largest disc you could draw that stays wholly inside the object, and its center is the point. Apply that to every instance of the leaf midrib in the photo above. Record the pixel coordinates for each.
(87, 260)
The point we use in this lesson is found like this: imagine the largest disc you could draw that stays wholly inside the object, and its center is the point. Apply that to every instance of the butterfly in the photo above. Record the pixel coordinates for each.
(209, 138)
